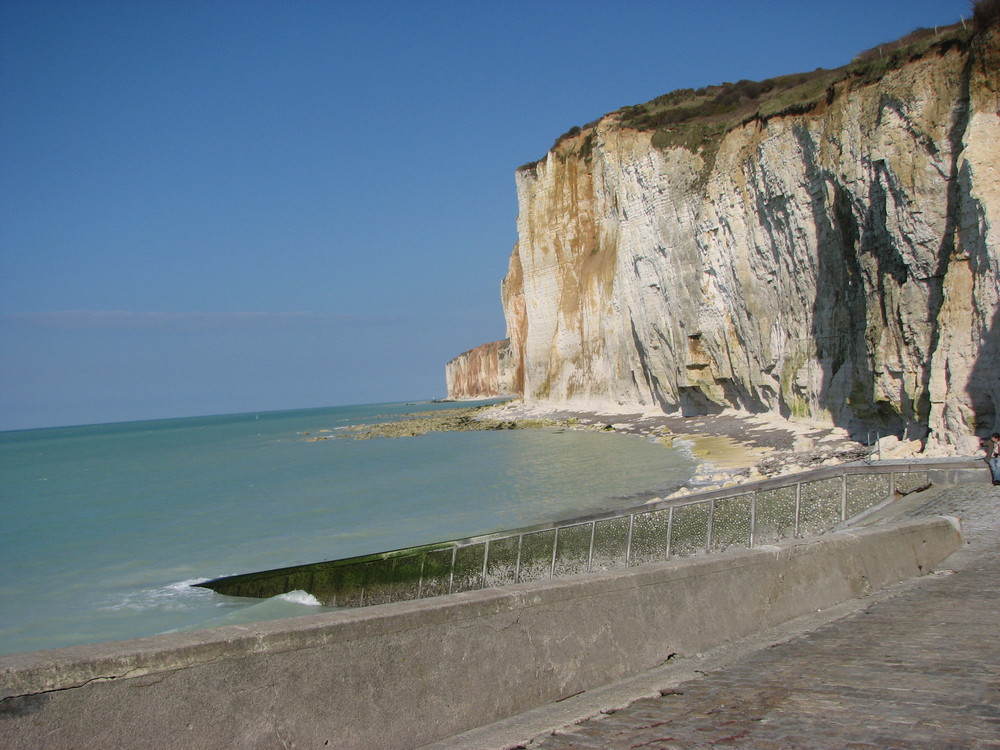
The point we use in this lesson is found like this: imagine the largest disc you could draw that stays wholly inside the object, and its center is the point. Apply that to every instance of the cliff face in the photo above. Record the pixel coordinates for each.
(482, 372)
(840, 263)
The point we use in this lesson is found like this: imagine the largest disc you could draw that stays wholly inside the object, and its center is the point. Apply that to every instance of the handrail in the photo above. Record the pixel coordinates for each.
(747, 515)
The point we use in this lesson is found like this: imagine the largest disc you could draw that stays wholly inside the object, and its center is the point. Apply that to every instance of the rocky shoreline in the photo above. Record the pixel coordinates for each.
(462, 419)
(731, 448)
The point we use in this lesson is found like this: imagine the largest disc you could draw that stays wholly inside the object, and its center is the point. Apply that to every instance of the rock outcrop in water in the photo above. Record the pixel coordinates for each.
(830, 252)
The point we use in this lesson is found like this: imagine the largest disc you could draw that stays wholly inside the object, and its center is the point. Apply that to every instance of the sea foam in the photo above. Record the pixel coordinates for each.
(300, 597)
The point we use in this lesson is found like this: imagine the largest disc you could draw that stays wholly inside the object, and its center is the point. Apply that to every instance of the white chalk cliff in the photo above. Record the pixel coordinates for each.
(483, 372)
(836, 260)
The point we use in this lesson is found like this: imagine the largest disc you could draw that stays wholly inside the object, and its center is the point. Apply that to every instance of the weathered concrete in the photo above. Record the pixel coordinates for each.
(914, 665)
(962, 475)
(401, 675)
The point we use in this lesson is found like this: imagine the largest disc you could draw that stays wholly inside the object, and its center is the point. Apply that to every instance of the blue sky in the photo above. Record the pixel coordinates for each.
(215, 207)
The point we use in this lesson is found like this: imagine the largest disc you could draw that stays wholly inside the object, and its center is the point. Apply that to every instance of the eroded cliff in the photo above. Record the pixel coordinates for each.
(836, 259)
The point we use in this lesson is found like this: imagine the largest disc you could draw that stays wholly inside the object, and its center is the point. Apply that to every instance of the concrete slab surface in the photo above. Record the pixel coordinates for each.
(916, 665)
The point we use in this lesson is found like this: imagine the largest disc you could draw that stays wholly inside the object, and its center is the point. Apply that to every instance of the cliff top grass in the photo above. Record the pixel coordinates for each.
(688, 116)
(696, 118)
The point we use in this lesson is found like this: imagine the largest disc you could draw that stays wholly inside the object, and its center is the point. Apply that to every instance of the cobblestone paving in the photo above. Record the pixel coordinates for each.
(918, 670)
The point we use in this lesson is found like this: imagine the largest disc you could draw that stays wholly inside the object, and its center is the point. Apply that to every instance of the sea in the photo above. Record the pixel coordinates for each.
(104, 529)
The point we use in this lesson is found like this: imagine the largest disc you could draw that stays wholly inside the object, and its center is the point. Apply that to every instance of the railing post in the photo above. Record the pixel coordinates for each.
(555, 548)
(798, 505)
(420, 581)
(628, 544)
(517, 564)
(711, 514)
(486, 558)
(843, 496)
(451, 574)
(364, 579)
(670, 528)
(590, 552)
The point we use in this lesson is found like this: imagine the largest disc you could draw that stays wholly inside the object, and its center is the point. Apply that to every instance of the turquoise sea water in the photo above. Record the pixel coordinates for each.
(103, 528)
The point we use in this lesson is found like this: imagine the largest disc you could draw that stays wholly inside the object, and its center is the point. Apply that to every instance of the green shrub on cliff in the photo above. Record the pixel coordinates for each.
(696, 119)
(872, 64)
(693, 119)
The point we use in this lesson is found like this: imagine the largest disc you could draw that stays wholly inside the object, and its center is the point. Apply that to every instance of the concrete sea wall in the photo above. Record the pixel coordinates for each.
(741, 516)
(404, 674)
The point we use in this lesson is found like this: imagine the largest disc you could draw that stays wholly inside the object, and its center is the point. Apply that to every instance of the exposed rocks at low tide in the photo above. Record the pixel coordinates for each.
(444, 420)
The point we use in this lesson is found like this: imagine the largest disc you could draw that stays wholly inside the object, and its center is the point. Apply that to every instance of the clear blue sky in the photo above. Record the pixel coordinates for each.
(218, 206)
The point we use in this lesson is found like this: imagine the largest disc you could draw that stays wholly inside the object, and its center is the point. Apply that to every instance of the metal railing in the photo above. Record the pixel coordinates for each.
(738, 517)
(874, 447)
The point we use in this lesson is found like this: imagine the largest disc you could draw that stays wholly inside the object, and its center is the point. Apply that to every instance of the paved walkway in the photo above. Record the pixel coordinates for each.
(916, 666)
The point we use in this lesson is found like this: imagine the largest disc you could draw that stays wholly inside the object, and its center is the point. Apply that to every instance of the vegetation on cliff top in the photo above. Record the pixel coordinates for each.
(697, 118)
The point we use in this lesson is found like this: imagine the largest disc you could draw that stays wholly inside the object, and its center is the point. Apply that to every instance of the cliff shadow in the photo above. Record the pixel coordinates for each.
(983, 385)
(984, 382)
(959, 196)
(856, 255)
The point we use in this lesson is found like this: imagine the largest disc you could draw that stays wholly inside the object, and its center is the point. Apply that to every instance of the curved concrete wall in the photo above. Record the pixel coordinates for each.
(402, 675)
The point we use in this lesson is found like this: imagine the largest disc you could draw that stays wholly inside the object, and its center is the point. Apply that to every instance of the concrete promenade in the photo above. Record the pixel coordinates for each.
(913, 666)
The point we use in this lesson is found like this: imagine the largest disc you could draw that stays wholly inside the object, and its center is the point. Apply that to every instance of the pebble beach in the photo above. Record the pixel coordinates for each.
(732, 448)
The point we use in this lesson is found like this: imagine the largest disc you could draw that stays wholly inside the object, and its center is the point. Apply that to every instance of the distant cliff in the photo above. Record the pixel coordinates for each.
(482, 372)
(820, 246)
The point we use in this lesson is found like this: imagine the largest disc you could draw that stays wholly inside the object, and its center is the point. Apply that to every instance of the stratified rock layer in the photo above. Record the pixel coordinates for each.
(839, 264)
